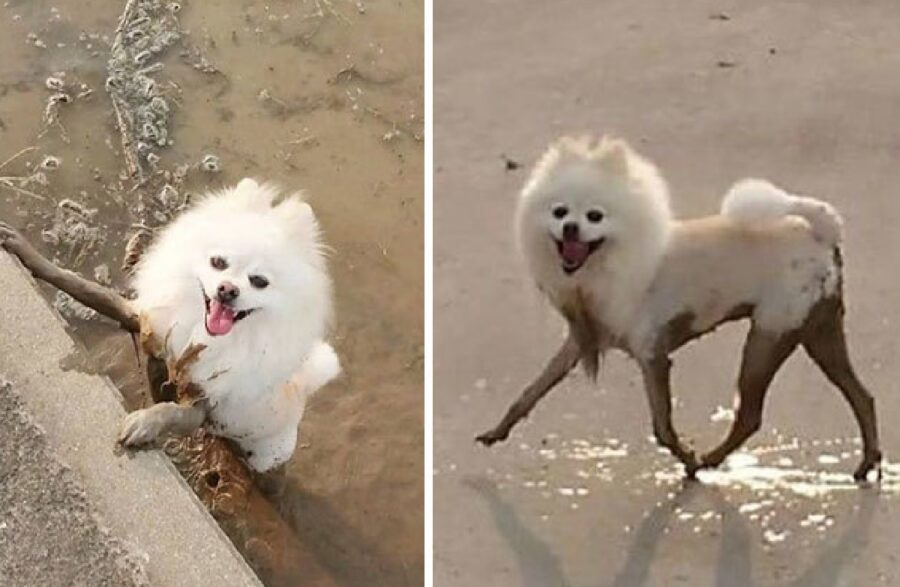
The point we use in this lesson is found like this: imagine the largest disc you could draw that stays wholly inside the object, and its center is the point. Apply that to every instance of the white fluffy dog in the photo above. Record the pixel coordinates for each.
(595, 227)
(242, 273)
(241, 276)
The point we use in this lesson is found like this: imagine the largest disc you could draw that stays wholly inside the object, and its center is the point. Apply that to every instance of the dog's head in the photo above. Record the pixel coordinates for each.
(244, 261)
(586, 199)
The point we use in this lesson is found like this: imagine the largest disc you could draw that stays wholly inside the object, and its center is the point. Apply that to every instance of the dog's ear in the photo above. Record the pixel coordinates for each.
(613, 157)
(296, 213)
(252, 194)
(247, 184)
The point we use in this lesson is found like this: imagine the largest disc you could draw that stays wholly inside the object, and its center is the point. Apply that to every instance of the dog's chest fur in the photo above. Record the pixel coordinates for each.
(246, 385)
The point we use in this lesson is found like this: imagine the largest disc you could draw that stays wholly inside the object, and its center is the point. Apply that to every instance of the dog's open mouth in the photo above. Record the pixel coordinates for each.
(574, 252)
(221, 317)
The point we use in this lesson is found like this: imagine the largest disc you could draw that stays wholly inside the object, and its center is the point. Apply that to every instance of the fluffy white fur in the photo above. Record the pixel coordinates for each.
(258, 376)
(756, 201)
(766, 248)
(630, 193)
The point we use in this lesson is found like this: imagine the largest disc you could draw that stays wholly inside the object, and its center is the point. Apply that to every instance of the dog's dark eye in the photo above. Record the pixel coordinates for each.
(218, 263)
(594, 216)
(560, 212)
(258, 281)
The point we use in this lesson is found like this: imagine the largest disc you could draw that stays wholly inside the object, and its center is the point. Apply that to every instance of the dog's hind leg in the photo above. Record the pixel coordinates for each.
(564, 361)
(656, 373)
(826, 344)
(764, 353)
(91, 294)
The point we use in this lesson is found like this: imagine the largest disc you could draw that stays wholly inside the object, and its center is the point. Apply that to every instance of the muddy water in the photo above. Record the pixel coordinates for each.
(323, 96)
(579, 496)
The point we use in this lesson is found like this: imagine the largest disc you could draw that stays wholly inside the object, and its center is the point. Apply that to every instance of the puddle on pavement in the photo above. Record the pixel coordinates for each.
(784, 497)
(320, 95)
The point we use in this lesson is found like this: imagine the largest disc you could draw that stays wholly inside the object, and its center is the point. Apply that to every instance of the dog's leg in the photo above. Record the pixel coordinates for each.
(826, 344)
(91, 294)
(656, 374)
(564, 361)
(145, 426)
(764, 353)
(586, 331)
(161, 390)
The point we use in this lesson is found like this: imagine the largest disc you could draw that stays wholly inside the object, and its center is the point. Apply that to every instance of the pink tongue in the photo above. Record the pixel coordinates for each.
(575, 252)
(219, 319)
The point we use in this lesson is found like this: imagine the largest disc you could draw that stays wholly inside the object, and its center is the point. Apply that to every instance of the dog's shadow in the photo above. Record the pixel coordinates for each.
(539, 566)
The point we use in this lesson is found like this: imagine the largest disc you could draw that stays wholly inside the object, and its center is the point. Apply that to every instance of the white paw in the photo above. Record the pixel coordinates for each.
(140, 427)
(264, 454)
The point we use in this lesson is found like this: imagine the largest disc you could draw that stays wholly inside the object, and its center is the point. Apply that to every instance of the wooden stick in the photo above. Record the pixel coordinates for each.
(91, 294)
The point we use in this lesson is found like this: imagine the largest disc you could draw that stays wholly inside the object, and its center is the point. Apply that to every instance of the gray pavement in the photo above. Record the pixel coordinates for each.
(804, 93)
(49, 533)
(73, 509)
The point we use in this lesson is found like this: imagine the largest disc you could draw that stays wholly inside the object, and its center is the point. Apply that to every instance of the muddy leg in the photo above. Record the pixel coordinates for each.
(158, 380)
(145, 426)
(91, 294)
(827, 346)
(659, 396)
(564, 361)
(764, 353)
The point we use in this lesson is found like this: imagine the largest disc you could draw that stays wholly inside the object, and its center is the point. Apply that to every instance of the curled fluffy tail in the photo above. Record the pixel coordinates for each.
(321, 366)
(758, 201)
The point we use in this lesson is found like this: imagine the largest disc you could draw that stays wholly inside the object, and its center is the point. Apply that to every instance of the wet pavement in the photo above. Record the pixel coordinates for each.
(801, 93)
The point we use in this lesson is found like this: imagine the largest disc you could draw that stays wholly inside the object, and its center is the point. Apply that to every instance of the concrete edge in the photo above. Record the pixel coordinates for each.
(143, 498)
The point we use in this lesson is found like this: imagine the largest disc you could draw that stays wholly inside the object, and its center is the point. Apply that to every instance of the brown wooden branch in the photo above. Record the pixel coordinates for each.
(89, 293)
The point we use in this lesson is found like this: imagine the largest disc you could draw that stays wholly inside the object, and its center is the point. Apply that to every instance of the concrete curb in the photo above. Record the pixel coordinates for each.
(141, 497)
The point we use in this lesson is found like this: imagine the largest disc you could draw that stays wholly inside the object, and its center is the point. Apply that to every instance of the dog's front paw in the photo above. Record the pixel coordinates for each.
(140, 427)
(492, 437)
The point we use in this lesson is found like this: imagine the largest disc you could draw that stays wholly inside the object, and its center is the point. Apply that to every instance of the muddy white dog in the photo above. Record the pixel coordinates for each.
(596, 230)
(243, 274)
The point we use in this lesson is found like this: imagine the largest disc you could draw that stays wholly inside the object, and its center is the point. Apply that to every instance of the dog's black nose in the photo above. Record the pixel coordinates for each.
(227, 292)
(570, 231)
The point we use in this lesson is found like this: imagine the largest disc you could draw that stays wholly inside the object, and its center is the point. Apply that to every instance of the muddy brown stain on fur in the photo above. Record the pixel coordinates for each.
(591, 335)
